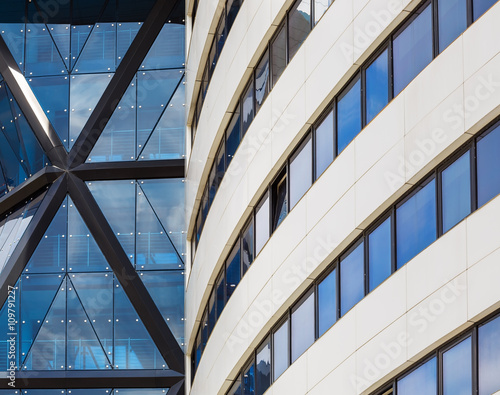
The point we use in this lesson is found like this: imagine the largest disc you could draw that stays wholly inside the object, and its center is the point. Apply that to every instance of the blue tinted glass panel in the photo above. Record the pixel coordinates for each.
(220, 299)
(167, 290)
(379, 254)
(348, 115)
(456, 193)
(13, 35)
(422, 380)
(249, 380)
(125, 34)
(262, 224)
(352, 287)
(42, 55)
(247, 107)
(416, 223)
(324, 144)
(488, 167)
(377, 86)
(263, 368)
(79, 36)
(134, 348)
(412, 50)
(489, 357)
(168, 140)
(61, 34)
(327, 302)
(168, 49)
(302, 326)
(247, 247)
(281, 357)
(221, 33)
(99, 52)
(233, 271)
(299, 25)
(53, 95)
(479, 7)
(233, 137)
(452, 21)
(211, 312)
(261, 81)
(457, 369)
(301, 172)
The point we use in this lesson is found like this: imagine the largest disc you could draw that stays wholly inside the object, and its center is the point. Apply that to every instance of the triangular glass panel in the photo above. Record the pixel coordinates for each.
(48, 349)
(61, 34)
(83, 347)
(167, 50)
(79, 36)
(117, 202)
(42, 55)
(167, 140)
(99, 52)
(13, 227)
(95, 292)
(10, 331)
(167, 290)
(85, 92)
(117, 141)
(53, 95)
(13, 35)
(154, 249)
(125, 35)
(154, 90)
(134, 348)
(37, 293)
(167, 200)
(50, 254)
(84, 254)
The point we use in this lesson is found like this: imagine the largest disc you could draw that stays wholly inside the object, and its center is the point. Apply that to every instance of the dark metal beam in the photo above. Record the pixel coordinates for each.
(126, 274)
(61, 379)
(130, 170)
(32, 236)
(33, 112)
(177, 389)
(23, 191)
(119, 83)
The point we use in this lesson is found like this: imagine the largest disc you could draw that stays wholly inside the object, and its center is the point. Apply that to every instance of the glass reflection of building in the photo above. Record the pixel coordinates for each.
(91, 165)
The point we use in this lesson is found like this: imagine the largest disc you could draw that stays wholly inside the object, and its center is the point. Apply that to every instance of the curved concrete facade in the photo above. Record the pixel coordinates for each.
(448, 103)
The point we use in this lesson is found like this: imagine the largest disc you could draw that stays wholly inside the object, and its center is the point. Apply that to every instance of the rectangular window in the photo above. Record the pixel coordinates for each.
(456, 191)
(324, 144)
(489, 357)
(199, 351)
(211, 312)
(204, 330)
(300, 171)
(212, 59)
(212, 184)
(412, 49)
(327, 302)
(299, 25)
(348, 114)
(220, 297)
(416, 223)
(479, 7)
(233, 137)
(452, 21)
(204, 206)
(320, 7)
(379, 254)
(457, 369)
(221, 34)
(199, 226)
(422, 380)
(377, 85)
(247, 253)
(204, 87)
(247, 107)
(263, 368)
(303, 324)
(262, 223)
(281, 356)
(249, 379)
(261, 81)
(232, 7)
(278, 54)
(233, 270)
(220, 164)
(352, 284)
(488, 166)
(280, 199)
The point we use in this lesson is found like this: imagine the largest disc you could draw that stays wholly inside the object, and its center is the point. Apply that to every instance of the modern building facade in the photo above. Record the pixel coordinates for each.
(92, 230)
(342, 197)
